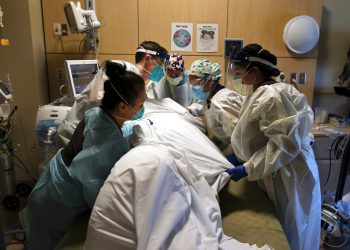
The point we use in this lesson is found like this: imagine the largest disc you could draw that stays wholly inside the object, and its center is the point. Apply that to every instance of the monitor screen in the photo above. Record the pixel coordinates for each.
(79, 74)
(4, 91)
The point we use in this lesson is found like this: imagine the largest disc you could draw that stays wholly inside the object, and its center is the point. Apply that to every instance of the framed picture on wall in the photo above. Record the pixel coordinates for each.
(231, 46)
(181, 36)
(207, 37)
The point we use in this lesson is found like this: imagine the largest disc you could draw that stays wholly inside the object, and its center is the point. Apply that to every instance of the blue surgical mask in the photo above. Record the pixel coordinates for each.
(157, 73)
(139, 114)
(127, 128)
(198, 92)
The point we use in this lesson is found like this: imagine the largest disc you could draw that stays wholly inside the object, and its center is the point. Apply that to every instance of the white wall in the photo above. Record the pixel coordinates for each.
(25, 60)
(333, 46)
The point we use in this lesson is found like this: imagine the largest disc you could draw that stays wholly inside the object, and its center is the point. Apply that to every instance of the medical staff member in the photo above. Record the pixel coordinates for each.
(176, 82)
(149, 58)
(72, 181)
(271, 139)
(204, 77)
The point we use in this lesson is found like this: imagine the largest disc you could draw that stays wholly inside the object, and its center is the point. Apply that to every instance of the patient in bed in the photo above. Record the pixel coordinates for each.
(162, 193)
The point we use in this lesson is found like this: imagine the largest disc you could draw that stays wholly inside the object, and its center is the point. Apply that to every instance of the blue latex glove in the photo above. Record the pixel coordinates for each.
(237, 173)
(232, 159)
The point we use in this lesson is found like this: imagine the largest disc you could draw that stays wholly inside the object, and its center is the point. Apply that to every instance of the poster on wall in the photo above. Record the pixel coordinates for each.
(207, 37)
(181, 36)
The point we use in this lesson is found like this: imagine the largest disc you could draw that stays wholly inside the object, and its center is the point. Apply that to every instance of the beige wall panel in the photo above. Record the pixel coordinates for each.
(156, 16)
(118, 35)
(128, 58)
(299, 65)
(263, 21)
(53, 12)
(55, 64)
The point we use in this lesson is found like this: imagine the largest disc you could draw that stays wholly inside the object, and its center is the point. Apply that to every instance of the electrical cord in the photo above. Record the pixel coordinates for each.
(23, 167)
(62, 47)
(337, 149)
(25, 170)
(82, 42)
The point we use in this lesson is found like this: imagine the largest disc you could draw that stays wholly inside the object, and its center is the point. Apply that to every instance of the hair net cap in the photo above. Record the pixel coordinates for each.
(215, 71)
(176, 62)
(201, 68)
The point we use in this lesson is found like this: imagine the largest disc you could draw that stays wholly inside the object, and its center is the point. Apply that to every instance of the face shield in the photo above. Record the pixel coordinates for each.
(160, 59)
(233, 81)
(242, 60)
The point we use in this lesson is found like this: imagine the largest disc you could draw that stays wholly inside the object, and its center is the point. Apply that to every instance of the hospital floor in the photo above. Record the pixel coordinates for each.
(9, 221)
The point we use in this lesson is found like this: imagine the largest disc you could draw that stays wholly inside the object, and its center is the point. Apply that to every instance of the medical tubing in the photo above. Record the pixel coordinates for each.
(343, 168)
(9, 151)
(334, 144)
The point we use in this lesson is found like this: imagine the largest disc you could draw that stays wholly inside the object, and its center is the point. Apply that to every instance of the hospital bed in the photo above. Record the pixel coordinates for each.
(248, 216)
(247, 213)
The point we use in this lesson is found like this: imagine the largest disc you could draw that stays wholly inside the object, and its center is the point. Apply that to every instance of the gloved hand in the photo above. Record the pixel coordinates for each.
(237, 173)
(233, 160)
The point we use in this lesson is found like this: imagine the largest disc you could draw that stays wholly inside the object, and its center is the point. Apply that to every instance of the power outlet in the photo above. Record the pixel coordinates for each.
(299, 78)
(60, 74)
(302, 78)
(64, 29)
(57, 30)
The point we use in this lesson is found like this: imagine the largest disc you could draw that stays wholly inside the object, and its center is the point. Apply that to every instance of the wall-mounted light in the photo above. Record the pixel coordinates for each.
(301, 34)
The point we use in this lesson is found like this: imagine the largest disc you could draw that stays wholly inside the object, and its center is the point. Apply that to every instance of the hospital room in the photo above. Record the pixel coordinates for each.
(157, 124)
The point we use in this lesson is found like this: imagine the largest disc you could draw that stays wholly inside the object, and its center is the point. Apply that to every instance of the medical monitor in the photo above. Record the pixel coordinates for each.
(80, 20)
(79, 74)
(4, 91)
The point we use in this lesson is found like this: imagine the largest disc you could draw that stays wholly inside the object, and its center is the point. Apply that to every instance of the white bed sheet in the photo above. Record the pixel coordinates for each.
(166, 122)
(160, 194)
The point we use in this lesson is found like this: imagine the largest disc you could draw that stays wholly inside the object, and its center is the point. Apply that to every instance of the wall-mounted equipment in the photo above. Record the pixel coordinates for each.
(232, 45)
(83, 21)
(80, 20)
(301, 34)
(5, 92)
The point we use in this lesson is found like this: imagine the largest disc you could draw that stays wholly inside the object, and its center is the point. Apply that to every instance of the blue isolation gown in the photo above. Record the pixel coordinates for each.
(62, 193)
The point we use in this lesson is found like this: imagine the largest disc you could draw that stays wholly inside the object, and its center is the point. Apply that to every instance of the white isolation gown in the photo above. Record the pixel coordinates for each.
(180, 93)
(271, 137)
(222, 117)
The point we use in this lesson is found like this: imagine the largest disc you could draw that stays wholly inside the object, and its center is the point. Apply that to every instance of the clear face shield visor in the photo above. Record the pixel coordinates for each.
(232, 81)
